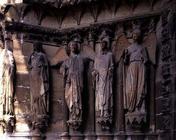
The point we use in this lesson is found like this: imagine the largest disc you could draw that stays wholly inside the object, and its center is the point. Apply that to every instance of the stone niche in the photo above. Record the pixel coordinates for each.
(87, 23)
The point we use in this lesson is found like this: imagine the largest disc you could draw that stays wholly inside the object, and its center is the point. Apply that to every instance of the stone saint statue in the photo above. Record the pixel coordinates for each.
(103, 72)
(7, 73)
(39, 87)
(73, 69)
(135, 59)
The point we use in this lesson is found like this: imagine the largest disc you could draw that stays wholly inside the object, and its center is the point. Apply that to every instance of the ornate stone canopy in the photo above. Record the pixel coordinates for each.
(59, 3)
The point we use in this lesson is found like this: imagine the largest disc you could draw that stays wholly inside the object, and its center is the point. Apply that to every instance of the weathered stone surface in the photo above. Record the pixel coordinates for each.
(55, 24)
(22, 79)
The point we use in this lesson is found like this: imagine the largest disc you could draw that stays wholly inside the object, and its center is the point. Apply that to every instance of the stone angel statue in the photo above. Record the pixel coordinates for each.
(72, 66)
(133, 76)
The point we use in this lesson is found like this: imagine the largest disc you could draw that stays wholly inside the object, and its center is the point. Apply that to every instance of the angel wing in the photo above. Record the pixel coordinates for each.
(59, 56)
(150, 43)
(88, 52)
(120, 45)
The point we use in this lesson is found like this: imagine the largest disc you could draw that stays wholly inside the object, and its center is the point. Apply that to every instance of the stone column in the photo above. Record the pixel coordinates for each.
(165, 97)
(65, 132)
(89, 114)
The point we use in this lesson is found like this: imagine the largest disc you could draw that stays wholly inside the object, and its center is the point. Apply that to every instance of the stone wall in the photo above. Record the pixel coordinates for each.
(56, 27)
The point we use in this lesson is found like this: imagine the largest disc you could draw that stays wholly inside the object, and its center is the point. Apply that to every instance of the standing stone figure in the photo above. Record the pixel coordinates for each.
(73, 69)
(135, 59)
(103, 71)
(39, 87)
(7, 73)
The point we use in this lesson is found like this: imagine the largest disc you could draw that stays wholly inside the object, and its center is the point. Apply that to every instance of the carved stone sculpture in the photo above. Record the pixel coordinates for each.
(135, 88)
(73, 69)
(7, 72)
(39, 83)
(103, 71)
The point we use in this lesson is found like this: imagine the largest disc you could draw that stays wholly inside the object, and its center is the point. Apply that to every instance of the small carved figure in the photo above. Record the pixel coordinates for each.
(103, 71)
(39, 83)
(73, 69)
(7, 72)
(135, 60)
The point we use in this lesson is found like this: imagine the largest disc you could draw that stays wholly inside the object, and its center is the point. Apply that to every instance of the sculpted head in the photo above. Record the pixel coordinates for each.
(136, 35)
(105, 40)
(104, 45)
(38, 47)
(73, 46)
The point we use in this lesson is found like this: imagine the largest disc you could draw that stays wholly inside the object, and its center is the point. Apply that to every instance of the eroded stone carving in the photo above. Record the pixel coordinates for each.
(73, 69)
(7, 73)
(134, 85)
(103, 72)
(39, 82)
(166, 37)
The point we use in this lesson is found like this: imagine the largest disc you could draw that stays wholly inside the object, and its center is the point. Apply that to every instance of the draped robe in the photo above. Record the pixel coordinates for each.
(72, 69)
(135, 78)
(7, 67)
(104, 99)
(39, 83)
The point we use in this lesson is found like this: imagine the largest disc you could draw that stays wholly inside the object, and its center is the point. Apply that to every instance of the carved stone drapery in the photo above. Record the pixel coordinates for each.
(135, 84)
(55, 38)
(103, 72)
(39, 82)
(72, 70)
(7, 73)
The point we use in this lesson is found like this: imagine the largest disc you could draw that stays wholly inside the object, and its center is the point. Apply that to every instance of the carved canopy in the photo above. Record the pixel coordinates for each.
(64, 3)
(59, 3)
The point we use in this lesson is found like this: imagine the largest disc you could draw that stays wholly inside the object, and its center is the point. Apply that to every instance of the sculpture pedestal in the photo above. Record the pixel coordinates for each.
(64, 136)
(90, 136)
(135, 136)
(105, 136)
(76, 136)
(119, 136)
(37, 137)
(135, 122)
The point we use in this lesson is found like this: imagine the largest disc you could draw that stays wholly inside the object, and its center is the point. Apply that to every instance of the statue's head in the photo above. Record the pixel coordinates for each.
(104, 45)
(73, 46)
(136, 35)
(38, 47)
(105, 40)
